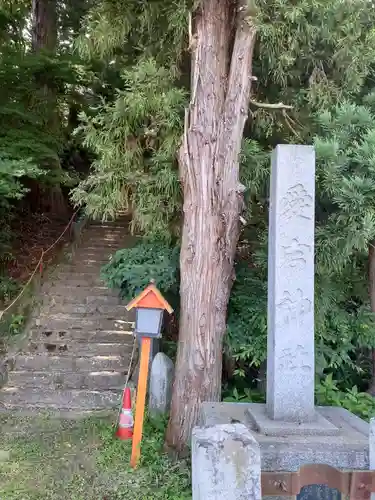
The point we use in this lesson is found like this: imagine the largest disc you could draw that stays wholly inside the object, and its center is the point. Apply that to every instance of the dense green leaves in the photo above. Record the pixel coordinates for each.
(135, 139)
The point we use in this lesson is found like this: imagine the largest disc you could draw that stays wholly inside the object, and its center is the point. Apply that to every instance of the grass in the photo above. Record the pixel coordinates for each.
(55, 459)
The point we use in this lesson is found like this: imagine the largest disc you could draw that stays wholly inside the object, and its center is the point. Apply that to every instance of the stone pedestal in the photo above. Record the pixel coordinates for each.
(349, 449)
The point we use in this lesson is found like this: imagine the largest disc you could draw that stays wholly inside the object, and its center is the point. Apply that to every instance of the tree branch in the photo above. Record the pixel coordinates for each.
(267, 105)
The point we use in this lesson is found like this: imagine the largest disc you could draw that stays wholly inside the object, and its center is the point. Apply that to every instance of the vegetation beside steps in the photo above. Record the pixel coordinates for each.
(43, 458)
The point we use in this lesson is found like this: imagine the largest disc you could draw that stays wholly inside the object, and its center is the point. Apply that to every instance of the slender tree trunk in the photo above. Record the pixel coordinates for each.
(371, 261)
(222, 47)
(44, 32)
(44, 38)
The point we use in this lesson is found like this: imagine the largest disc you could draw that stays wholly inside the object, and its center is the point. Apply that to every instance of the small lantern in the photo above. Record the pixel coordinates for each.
(149, 308)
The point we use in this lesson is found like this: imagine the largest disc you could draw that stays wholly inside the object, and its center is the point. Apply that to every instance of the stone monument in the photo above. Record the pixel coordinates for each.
(160, 387)
(289, 428)
(290, 346)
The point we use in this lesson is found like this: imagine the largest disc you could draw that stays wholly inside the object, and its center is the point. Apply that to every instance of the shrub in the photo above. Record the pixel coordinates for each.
(327, 393)
(131, 269)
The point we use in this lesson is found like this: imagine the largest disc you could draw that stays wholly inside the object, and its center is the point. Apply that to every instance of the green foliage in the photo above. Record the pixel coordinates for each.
(131, 269)
(327, 393)
(247, 317)
(135, 139)
(345, 147)
(132, 29)
(245, 395)
(11, 173)
(8, 289)
(16, 324)
(343, 322)
(310, 54)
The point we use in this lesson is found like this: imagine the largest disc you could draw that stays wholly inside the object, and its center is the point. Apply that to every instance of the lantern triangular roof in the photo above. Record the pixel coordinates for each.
(150, 298)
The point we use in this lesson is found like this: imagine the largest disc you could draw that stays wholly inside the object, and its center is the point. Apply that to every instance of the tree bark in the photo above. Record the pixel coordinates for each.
(44, 39)
(371, 261)
(222, 48)
(44, 32)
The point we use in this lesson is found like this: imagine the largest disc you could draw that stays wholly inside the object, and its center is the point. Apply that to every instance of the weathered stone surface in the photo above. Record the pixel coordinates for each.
(74, 294)
(52, 398)
(40, 362)
(290, 351)
(92, 309)
(79, 322)
(313, 427)
(78, 279)
(101, 336)
(101, 380)
(161, 382)
(225, 463)
(348, 450)
(78, 348)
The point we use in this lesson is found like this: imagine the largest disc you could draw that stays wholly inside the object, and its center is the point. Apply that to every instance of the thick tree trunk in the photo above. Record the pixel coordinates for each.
(371, 261)
(222, 48)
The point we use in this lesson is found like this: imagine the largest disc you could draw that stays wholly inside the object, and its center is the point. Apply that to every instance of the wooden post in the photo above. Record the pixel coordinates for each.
(141, 401)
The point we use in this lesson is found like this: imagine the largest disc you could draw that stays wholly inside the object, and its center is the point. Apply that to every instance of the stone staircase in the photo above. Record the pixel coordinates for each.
(78, 349)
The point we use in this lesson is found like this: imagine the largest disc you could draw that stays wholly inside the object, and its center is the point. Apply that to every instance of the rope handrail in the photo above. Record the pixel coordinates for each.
(38, 266)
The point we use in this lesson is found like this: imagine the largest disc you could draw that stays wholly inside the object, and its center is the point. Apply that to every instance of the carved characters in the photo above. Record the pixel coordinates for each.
(296, 203)
(293, 359)
(293, 308)
(294, 255)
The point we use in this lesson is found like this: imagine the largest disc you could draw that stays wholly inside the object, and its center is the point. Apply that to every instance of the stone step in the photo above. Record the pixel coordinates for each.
(86, 265)
(55, 399)
(113, 311)
(101, 235)
(78, 283)
(102, 380)
(82, 300)
(98, 242)
(89, 256)
(67, 275)
(54, 306)
(65, 289)
(100, 336)
(78, 322)
(79, 267)
(92, 258)
(40, 362)
(78, 348)
(107, 229)
(108, 247)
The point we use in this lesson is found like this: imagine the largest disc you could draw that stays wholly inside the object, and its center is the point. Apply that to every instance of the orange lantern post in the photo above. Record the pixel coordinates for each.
(149, 307)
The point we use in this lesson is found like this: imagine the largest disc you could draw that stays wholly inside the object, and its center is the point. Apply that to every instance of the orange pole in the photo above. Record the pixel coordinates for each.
(141, 400)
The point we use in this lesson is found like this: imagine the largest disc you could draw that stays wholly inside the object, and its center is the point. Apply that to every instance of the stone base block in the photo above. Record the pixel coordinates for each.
(265, 425)
(225, 463)
(348, 449)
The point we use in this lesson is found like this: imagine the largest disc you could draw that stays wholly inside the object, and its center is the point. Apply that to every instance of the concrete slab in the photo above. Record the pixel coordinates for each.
(349, 449)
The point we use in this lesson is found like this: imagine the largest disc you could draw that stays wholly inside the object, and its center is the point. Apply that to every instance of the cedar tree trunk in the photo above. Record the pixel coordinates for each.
(44, 38)
(222, 42)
